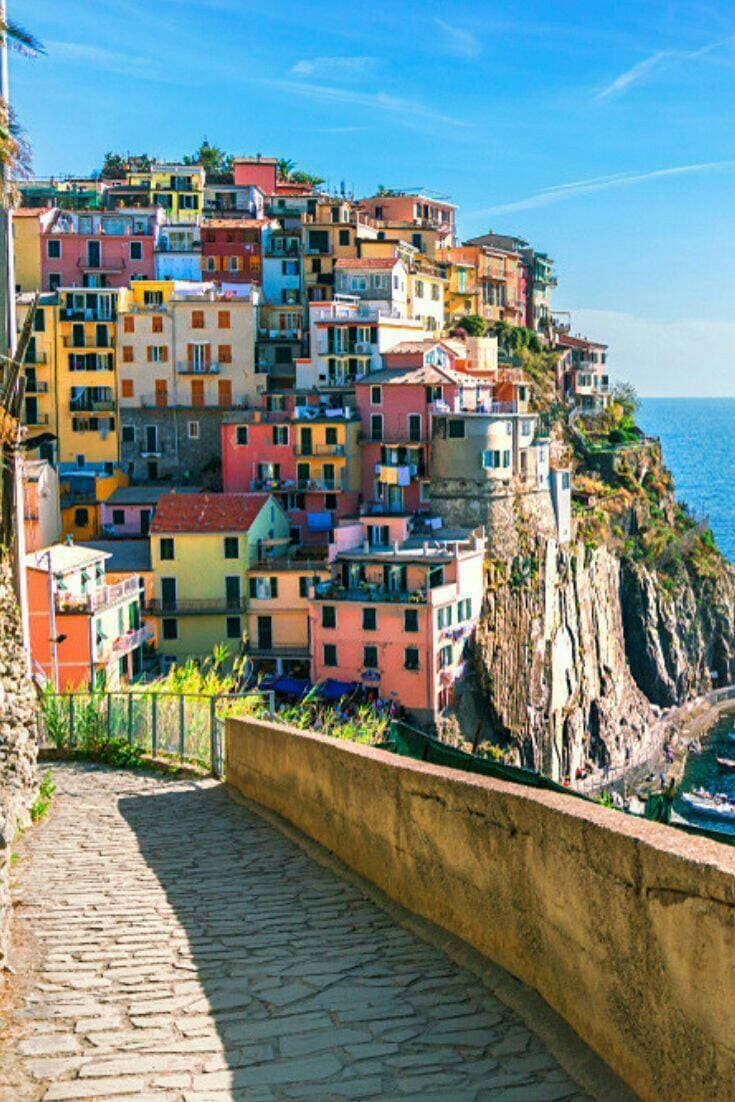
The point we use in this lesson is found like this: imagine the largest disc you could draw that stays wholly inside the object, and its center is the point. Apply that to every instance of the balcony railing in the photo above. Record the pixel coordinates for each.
(333, 591)
(103, 405)
(38, 358)
(102, 265)
(396, 474)
(190, 247)
(70, 313)
(37, 419)
(34, 386)
(200, 606)
(329, 486)
(128, 642)
(187, 368)
(320, 449)
(86, 343)
(286, 252)
(104, 597)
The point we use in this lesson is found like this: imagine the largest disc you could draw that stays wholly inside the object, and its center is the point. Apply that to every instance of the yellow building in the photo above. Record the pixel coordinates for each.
(335, 231)
(28, 225)
(40, 414)
(426, 297)
(83, 492)
(278, 613)
(179, 189)
(462, 292)
(327, 454)
(202, 548)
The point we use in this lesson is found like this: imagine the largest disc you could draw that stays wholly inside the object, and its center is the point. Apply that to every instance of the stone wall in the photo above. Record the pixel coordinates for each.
(625, 927)
(18, 744)
(182, 457)
(507, 514)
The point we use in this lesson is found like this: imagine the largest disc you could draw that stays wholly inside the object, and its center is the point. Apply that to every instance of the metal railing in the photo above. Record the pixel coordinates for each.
(186, 367)
(184, 726)
(104, 597)
(200, 605)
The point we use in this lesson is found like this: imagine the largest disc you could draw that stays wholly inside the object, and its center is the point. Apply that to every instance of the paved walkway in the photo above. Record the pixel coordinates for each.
(179, 947)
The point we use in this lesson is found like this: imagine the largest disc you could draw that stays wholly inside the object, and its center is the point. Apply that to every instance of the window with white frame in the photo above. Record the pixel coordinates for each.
(192, 429)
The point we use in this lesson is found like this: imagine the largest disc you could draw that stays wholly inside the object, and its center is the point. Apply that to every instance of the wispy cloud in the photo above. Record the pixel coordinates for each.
(458, 40)
(408, 111)
(661, 59)
(338, 68)
(560, 192)
(110, 61)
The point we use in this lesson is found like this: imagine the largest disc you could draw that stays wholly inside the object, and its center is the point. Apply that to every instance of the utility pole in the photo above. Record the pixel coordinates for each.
(53, 638)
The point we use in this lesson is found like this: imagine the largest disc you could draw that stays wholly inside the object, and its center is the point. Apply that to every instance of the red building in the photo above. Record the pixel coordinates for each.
(99, 248)
(232, 250)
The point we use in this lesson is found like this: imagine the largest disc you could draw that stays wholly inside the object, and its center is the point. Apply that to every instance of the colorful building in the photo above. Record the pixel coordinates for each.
(29, 224)
(128, 511)
(178, 252)
(584, 371)
(378, 282)
(539, 278)
(40, 412)
(279, 597)
(84, 490)
(105, 249)
(431, 221)
(202, 548)
(95, 629)
(185, 354)
(177, 189)
(399, 612)
(232, 250)
(308, 456)
(41, 510)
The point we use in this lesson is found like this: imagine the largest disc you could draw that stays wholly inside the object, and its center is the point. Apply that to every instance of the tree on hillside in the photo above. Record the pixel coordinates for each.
(284, 168)
(214, 161)
(473, 325)
(116, 166)
(15, 151)
(286, 173)
(626, 396)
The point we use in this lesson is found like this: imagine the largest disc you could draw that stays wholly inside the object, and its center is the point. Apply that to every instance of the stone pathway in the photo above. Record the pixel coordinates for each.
(179, 947)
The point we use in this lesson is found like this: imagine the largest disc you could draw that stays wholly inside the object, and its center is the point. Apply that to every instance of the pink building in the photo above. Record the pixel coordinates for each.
(398, 613)
(412, 207)
(99, 248)
(395, 407)
(128, 511)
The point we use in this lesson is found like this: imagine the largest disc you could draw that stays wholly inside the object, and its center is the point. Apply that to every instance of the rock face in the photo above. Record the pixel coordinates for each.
(575, 646)
(18, 743)
(676, 641)
(551, 659)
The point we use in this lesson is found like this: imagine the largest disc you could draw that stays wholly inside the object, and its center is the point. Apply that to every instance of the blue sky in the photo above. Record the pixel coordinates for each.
(602, 133)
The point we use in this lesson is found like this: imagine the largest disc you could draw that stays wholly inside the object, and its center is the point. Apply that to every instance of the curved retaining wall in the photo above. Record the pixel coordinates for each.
(625, 927)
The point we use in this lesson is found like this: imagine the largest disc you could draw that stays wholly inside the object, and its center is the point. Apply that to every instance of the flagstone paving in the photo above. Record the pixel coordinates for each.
(174, 945)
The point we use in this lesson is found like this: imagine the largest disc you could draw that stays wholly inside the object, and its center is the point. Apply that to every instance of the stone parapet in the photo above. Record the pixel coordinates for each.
(625, 927)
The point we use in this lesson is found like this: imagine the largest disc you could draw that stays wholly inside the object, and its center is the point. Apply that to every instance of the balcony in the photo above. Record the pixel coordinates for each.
(99, 599)
(328, 486)
(212, 368)
(277, 650)
(39, 358)
(286, 251)
(396, 474)
(190, 247)
(320, 449)
(70, 313)
(201, 606)
(333, 591)
(131, 640)
(36, 419)
(89, 344)
(280, 334)
(102, 405)
(271, 483)
(33, 386)
(104, 264)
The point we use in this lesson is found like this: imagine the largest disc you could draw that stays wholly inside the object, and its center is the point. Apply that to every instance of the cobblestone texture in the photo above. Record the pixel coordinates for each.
(185, 950)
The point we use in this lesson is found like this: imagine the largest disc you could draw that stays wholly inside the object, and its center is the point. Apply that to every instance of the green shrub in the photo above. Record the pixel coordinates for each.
(41, 804)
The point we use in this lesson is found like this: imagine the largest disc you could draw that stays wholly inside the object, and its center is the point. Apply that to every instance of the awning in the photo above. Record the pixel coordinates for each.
(289, 686)
(334, 690)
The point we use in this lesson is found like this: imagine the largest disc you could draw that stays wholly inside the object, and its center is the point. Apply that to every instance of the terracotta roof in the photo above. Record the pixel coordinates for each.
(425, 375)
(30, 212)
(368, 262)
(206, 512)
(568, 341)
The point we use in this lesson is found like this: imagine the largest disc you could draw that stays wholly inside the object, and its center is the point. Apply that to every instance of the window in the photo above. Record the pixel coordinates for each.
(344, 237)
(54, 281)
(127, 389)
(330, 435)
(234, 263)
(526, 427)
(456, 429)
(128, 434)
(304, 586)
(369, 619)
(118, 516)
(197, 319)
(170, 629)
(192, 430)
(157, 323)
(234, 627)
(127, 353)
(166, 548)
(157, 354)
(224, 319)
(410, 619)
(436, 577)
(435, 292)
(39, 320)
(376, 395)
(81, 518)
(444, 617)
(445, 656)
(280, 434)
(136, 250)
(464, 610)
(232, 547)
(330, 501)
(241, 434)
(411, 658)
(565, 480)
(53, 250)
(376, 426)
(414, 426)
(128, 324)
(329, 652)
(329, 616)
(290, 267)
(210, 263)
(419, 288)
(370, 657)
(224, 353)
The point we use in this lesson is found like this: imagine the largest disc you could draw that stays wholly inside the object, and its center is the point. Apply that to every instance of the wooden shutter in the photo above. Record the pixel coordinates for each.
(163, 354)
(197, 319)
(223, 319)
(128, 389)
(150, 353)
(197, 392)
(225, 392)
(127, 353)
(190, 356)
(224, 353)
(161, 392)
(157, 323)
(128, 323)
(207, 354)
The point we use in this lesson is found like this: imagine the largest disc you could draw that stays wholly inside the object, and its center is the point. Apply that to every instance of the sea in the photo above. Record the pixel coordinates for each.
(698, 441)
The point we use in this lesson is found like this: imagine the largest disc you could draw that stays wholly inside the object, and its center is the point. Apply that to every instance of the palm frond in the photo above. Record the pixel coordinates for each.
(21, 40)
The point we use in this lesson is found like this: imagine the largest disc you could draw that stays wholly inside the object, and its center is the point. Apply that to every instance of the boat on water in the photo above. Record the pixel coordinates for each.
(715, 805)
(727, 765)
